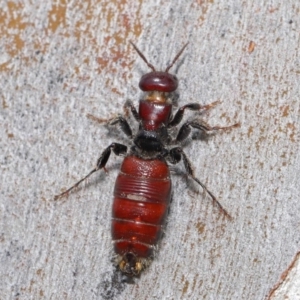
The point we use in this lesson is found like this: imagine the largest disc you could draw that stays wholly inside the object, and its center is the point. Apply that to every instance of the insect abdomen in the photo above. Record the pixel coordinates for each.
(141, 198)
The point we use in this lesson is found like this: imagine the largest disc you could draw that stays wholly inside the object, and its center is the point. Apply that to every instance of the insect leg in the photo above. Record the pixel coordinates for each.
(175, 155)
(118, 149)
(185, 130)
(123, 125)
(191, 106)
(129, 104)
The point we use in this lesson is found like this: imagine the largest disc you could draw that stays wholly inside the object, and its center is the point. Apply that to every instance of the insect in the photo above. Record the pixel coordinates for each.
(142, 191)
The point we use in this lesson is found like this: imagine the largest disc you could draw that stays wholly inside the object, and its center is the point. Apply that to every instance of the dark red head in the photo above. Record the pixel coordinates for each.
(158, 81)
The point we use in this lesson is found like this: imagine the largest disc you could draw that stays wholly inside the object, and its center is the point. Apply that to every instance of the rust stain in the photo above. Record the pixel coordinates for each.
(251, 47)
(39, 272)
(14, 18)
(200, 227)
(204, 6)
(186, 286)
(57, 15)
(273, 9)
(293, 135)
(130, 22)
(115, 91)
(11, 24)
(203, 2)
(250, 131)
(285, 110)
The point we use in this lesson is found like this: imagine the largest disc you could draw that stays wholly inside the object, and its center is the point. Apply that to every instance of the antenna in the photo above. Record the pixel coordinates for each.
(142, 56)
(176, 57)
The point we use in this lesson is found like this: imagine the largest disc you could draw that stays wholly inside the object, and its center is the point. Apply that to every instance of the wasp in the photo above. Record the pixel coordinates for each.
(143, 190)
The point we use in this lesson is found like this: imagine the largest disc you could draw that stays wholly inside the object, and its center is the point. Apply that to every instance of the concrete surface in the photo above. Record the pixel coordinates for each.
(62, 60)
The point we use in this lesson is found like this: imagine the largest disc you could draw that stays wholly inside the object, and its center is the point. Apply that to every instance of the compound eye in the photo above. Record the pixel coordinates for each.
(158, 81)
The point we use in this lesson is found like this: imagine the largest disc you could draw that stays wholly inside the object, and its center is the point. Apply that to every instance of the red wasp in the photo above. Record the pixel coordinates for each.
(143, 187)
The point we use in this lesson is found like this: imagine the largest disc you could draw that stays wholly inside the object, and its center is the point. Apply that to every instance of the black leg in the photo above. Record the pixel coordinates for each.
(192, 106)
(121, 120)
(129, 104)
(123, 125)
(118, 149)
(185, 130)
(175, 156)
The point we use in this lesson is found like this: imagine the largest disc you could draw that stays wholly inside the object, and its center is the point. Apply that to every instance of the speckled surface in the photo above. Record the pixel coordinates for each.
(62, 60)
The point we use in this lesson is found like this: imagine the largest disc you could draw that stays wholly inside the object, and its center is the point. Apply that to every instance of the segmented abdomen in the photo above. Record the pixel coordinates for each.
(141, 198)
